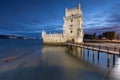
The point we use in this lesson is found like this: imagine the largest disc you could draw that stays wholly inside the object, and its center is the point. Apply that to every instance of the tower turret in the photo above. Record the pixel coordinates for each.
(79, 7)
(73, 24)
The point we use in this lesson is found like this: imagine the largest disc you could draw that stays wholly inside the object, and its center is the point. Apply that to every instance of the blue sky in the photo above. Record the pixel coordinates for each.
(30, 17)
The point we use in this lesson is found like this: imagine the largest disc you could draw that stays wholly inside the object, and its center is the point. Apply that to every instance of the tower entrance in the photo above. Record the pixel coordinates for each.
(73, 40)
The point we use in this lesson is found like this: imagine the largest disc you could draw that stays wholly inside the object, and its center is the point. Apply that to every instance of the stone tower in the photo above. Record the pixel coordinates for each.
(73, 25)
(72, 28)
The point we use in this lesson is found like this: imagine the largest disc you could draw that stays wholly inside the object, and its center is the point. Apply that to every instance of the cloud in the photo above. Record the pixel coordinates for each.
(103, 29)
(114, 18)
(95, 21)
(107, 19)
(33, 16)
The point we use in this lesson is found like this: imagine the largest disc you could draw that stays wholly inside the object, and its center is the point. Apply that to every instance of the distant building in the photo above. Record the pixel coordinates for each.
(72, 28)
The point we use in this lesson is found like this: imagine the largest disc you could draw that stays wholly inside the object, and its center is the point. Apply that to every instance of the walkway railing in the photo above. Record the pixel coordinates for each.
(96, 47)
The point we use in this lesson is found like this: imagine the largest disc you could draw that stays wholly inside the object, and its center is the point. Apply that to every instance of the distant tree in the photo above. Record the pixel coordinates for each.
(115, 35)
(94, 34)
(100, 36)
(89, 36)
(110, 35)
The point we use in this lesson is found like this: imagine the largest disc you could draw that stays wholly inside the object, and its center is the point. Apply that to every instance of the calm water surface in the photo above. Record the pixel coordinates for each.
(33, 61)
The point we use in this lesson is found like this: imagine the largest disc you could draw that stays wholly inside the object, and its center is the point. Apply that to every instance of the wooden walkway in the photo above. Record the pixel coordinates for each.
(106, 49)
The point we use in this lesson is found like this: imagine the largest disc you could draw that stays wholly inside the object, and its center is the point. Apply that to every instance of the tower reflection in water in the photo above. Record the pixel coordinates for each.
(110, 62)
(95, 58)
(71, 57)
(103, 60)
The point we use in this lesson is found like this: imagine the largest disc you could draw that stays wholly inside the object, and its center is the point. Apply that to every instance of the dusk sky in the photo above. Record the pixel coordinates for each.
(30, 17)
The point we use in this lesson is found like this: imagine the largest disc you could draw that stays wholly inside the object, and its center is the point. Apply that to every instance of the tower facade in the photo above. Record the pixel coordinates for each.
(73, 25)
(72, 28)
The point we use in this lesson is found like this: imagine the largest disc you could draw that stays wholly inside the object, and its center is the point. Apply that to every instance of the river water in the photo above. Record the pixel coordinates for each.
(30, 60)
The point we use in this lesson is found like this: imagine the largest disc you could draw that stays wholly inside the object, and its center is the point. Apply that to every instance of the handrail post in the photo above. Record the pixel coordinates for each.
(115, 49)
(108, 50)
(106, 47)
(93, 47)
(99, 47)
(119, 52)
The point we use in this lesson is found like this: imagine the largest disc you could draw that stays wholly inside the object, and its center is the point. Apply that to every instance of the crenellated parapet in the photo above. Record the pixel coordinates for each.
(53, 38)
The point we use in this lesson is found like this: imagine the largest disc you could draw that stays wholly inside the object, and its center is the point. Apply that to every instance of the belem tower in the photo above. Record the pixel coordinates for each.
(72, 28)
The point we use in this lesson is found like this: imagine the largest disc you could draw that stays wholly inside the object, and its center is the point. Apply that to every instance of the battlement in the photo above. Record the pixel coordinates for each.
(75, 8)
(53, 38)
(73, 11)
(73, 16)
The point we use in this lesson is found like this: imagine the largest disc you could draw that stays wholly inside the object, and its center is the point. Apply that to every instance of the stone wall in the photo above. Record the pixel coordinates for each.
(53, 38)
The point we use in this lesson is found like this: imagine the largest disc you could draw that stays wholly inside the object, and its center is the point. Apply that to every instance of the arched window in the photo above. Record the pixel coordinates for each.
(71, 20)
(71, 31)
